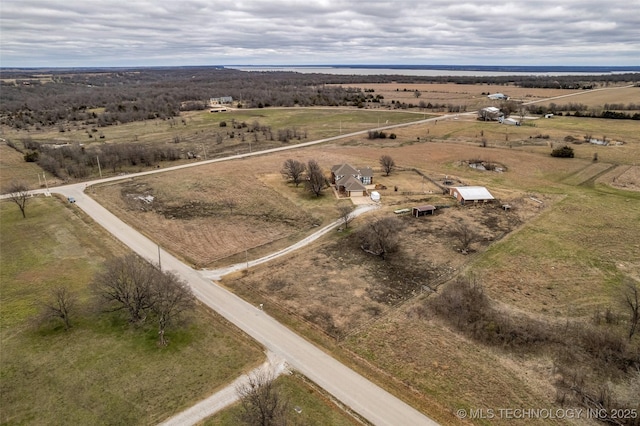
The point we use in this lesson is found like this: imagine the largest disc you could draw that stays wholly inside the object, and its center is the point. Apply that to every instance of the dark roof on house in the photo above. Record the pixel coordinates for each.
(366, 172)
(351, 184)
(343, 170)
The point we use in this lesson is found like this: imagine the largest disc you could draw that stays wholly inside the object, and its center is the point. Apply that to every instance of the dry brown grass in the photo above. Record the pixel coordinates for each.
(456, 94)
(13, 167)
(561, 251)
(471, 95)
(372, 306)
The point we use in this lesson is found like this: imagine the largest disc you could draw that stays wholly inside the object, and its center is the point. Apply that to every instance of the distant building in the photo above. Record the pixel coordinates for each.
(490, 114)
(498, 97)
(219, 101)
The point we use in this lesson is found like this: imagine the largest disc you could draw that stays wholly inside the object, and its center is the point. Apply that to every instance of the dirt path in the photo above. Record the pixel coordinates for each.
(217, 274)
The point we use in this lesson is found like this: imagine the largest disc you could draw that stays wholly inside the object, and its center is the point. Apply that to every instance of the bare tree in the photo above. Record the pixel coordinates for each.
(126, 284)
(19, 194)
(346, 214)
(293, 170)
(380, 237)
(316, 181)
(61, 304)
(632, 300)
(171, 297)
(387, 164)
(262, 401)
(465, 235)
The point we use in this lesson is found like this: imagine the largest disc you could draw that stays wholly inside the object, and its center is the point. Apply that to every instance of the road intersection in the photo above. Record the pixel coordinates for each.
(353, 390)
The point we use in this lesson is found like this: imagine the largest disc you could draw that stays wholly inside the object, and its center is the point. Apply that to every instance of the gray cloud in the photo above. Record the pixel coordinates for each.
(213, 32)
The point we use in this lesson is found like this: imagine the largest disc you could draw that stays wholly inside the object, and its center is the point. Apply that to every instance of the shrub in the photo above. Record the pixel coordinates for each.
(563, 152)
(31, 157)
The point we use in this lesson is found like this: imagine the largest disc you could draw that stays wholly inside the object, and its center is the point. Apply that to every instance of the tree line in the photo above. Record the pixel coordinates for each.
(102, 97)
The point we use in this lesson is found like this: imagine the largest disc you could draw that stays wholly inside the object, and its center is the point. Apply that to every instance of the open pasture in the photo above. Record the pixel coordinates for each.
(561, 253)
(535, 259)
(103, 370)
(13, 167)
(192, 129)
(474, 96)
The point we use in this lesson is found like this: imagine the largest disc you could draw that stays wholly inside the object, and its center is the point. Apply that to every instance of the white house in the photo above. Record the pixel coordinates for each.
(221, 100)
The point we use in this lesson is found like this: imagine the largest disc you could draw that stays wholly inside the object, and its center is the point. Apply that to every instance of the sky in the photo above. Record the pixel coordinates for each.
(88, 33)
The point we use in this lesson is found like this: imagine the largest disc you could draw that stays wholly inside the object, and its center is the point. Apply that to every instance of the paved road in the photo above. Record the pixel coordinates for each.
(370, 401)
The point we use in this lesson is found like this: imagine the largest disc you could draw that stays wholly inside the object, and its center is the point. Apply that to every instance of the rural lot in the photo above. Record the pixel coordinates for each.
(533, 309)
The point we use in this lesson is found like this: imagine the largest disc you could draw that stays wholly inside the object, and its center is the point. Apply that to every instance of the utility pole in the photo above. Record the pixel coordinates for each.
(159, 259)
(45, 181)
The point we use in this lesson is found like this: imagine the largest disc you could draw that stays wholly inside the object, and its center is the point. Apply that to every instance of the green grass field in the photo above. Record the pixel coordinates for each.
(101, 371)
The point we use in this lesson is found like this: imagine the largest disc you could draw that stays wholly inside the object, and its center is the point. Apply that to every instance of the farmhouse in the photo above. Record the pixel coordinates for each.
(423, 210)
(490, 114)
(475, 194)
(351, 181)
(351, 186)
(221, 100)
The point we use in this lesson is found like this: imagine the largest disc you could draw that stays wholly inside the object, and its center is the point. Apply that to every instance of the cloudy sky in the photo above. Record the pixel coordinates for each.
(63, 33)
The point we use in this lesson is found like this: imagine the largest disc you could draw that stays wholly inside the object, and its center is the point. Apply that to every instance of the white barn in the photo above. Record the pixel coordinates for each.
(465, 194)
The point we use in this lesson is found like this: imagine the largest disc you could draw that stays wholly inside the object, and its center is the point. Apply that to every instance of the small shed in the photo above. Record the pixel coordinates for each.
(510, 121)
(471, 194)
(423, 210)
